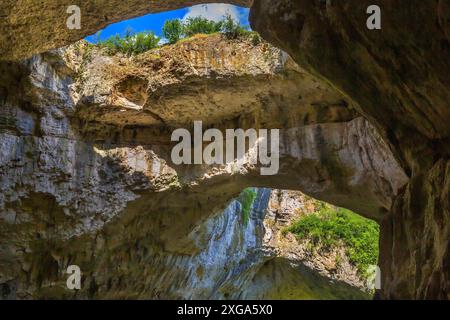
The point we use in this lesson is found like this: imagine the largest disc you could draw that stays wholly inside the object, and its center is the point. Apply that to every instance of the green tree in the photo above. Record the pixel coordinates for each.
(200, 25)
(144, 41)
(231, 28)
(131, 43)
(173, 30)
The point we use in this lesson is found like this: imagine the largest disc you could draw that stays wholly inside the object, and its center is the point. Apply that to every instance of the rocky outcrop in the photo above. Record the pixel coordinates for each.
(297, 269)
(399, 79)
(102, 192)
(285, 208)
(206, 78)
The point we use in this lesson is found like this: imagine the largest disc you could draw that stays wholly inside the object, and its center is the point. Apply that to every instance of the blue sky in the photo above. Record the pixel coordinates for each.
(154, 22)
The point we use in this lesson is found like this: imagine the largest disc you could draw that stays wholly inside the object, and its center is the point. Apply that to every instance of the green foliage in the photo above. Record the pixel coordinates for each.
(173, 30)
(246, 198)
(255, 37)
(200, 25)
(331, 225)
(131, 43)
(232, 29)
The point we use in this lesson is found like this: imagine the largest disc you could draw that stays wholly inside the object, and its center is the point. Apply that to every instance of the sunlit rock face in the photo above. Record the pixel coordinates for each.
(206, 78)
(95, 191)
(285, 207)
(297, 269)
(398, 78)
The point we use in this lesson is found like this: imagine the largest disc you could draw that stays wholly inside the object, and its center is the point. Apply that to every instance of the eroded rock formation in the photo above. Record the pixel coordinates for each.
(397, 78)
(101, 192)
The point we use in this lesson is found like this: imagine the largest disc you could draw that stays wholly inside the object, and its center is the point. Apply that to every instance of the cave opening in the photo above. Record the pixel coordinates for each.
(342, 156)
(317, 250)
(240, 97)
(339, 241)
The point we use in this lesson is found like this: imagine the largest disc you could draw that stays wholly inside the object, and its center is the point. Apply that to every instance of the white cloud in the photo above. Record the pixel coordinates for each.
(214, 12)
(163, 41)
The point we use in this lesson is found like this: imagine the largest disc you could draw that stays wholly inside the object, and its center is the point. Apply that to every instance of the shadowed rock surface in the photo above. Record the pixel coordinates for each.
(399, 78)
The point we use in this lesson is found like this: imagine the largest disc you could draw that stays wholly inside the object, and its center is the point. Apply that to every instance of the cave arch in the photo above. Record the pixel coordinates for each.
(419, 140)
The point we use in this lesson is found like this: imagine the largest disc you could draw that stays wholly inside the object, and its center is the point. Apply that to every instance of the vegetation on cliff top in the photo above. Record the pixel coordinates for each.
(330, 226)
(174, 30)
(130, 44)
(246, 199)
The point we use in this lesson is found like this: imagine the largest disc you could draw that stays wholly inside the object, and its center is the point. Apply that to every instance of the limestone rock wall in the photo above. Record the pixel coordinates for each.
(104, 194)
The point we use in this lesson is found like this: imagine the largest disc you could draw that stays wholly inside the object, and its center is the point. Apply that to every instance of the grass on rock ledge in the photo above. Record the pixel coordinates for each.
(246, 199)
(331, 226)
